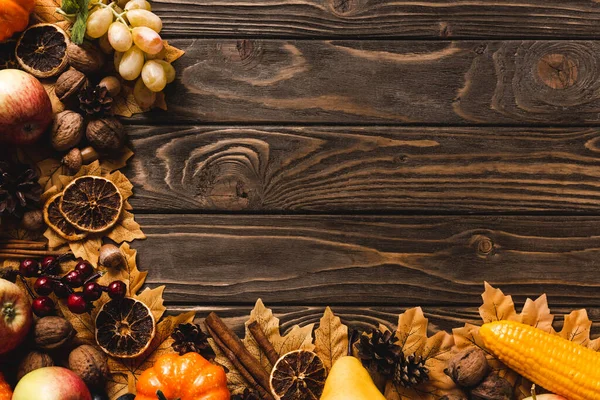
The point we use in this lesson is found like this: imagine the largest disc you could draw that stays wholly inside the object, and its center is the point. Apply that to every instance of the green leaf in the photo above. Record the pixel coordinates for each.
(78, 30)
(70, 6)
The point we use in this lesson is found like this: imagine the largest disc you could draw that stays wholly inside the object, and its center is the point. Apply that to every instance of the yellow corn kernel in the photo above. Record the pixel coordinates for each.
(559, 365)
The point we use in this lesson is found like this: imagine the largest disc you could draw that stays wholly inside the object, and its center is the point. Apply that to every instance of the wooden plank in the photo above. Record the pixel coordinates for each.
(360, 82)
(400, 261)
(381, 18)
(187, 169)
(363, 318)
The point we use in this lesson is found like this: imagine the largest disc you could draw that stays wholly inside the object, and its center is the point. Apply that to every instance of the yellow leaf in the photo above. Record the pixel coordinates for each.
(133, 278)
(536, 313)
(154, 300)
(47, 168)
(88, 249)
(496, 306)
(108, 165)
(124, 104)
(126, 229)
(412, 330)
(126, 372)
(172, 53)
(576, 327)
(50, 86)
(84, 324)
(331, 339)
(54, 241)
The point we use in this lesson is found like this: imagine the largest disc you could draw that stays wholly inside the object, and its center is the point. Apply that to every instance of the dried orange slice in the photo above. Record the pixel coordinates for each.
(55, 220)
(91, 203)
(42, 50)
(125, 328)
(298, 375)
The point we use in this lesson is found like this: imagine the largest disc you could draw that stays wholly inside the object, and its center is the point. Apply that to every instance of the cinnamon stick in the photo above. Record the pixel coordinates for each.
(263, 342)
(238, 365)
(31, 252)
(22, 246)
(230, 341)
(22, 241)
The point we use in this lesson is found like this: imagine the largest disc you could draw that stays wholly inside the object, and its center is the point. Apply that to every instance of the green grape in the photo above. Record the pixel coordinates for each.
(132, 63)
(148, 40)
(117, 59)
(119, 36)
(104, 44)
(143, 96)
(144, 18)
(138, 5)
(169, 70)
(98, 22)
(154, 76)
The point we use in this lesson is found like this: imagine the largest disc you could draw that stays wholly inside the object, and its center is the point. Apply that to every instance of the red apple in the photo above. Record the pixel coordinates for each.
(15, 316)
(51, 383)
(25, 108)
(547, 397)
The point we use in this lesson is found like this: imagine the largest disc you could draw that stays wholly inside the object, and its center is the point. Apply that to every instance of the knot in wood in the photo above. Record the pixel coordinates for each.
(343, 7)
(485, 246)
(558, 71)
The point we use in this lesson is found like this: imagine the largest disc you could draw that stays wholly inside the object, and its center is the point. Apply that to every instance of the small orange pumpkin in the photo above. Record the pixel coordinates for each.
(187, 377)
(5, 390)
(14, 16)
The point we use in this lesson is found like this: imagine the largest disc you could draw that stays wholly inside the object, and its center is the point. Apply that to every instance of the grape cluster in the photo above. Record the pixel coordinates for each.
(132, 32)
(82, 276)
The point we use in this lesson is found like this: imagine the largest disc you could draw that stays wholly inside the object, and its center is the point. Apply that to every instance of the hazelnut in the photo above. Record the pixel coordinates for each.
(75, 158)
(106, 134)
(69, 84)
(87, 58)
(32, 361)
(67, 130)
(493, 387)
(112, 84)
(468, 367)
(52, 333)
(33, 220)
(111, 257)
(90, 364)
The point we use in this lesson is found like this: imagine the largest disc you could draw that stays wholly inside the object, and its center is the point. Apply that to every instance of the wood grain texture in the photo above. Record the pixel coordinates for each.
(381, 18)
(274, 169)
(363, 318)
(389, 82)
(400, 261)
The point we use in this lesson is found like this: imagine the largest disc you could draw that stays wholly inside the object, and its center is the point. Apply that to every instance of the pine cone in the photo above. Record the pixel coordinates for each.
(19, 189)
(247, 395)
(95, 101)
(410, 371)
(190, 338)
(379, 353)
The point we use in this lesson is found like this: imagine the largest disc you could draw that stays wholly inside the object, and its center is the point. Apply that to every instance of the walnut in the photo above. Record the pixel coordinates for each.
(106, 134)
(85, 58)
(454, 397)
(69, 84)
(468, 367)
(75, 158)
(111, 257)
(493, 388)
(33, 220)
(52, 333)
(90, 364)
(32, 361)
(67, 130)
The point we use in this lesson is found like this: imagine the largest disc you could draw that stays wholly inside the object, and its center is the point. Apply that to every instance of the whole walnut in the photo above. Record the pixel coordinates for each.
(86, 58)
(32, 361)
(493, 387)
(106, 134)
(90, 364)
(468, 367)
(67, 130)
(69, 83)
(51, 333)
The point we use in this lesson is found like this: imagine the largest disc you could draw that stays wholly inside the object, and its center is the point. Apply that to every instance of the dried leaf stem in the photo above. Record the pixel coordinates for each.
(239, 356)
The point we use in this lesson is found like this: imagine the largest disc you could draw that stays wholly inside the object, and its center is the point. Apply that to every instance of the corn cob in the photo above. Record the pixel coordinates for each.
(557, 364)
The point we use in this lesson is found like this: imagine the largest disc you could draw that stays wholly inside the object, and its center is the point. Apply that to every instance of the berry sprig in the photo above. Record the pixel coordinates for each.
(82, 276)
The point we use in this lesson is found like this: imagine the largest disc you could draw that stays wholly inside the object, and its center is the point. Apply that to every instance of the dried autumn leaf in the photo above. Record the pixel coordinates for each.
(154, 300)
(109, 165)
(435, 352)
(45, 11)
(131, 275)
(496, 306)
(235, 381)
(126, 372)
(88, 249)
(331, 339)
(125, 104)
(57, 105)
(172, 53)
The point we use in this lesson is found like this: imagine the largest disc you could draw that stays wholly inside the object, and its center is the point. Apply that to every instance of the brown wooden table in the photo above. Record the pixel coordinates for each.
(374, 155)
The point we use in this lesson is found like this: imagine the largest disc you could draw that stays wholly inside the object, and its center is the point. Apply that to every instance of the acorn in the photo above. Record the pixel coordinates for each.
(75, 158)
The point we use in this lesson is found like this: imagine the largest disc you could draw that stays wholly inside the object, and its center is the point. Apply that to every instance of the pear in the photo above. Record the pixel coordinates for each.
(349, 380)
